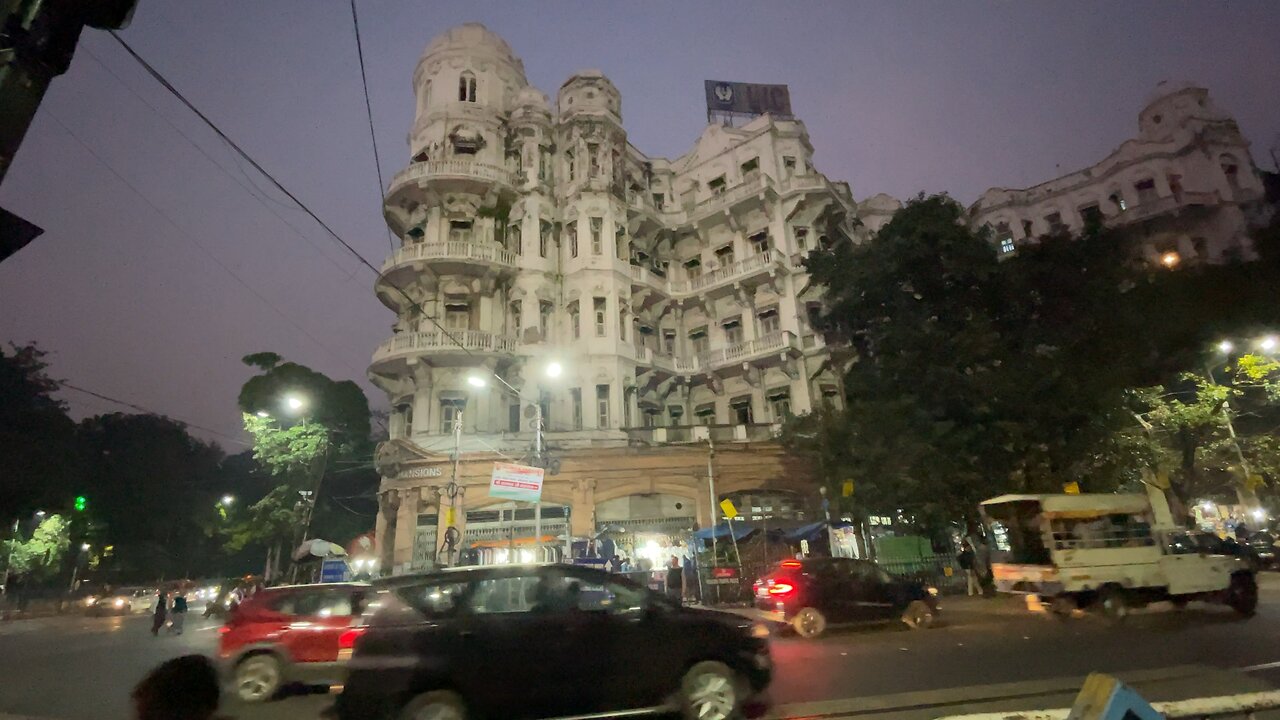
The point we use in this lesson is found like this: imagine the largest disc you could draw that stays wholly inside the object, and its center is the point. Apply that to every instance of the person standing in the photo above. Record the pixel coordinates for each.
(161, 613)
(965, 561)
(179, 612)
(675, 584)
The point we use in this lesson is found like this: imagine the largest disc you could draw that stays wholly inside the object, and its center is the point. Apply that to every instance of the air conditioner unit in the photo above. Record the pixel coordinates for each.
(701, 432)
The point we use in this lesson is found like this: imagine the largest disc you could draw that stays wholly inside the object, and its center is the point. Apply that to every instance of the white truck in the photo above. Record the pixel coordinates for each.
(1107, 552)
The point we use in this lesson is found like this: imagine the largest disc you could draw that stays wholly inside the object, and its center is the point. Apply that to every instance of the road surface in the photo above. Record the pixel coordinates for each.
(83, 668)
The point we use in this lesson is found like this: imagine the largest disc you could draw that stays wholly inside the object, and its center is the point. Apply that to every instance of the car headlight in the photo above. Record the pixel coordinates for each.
(91, 601)
(932, 591)
(119, 602)
(760, 630)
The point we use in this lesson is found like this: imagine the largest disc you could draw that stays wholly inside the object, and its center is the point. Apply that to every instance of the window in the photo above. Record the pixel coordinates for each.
(1054, 220)
(620, 239)
(601, 321)
(554, 592)
(312, 603)
(544, 318)
(750, 168)
(1118, 200)
(571, 164)
(576, 395)
(457, 316)
(1231, 169)
(504, 595)
(426, 95)
(769, 321)
(450, 412)
(1146, 190)
(693, 268)
(1004, 237)
(740, 410)
(650, 418)
(659, 200)
(544, 238)
(514, 243)
(622, 325)
(1028, 230)
(676, 413)
(1091, 215)
(513, 417)
(698, 338)
(574, 320)
(669, 342)
(1006, 246)
(802, 237)
(717, 185)
(789, 163)
(593, 158)
(406, 415)
(602, 406)
(434, 600)
(572, 229)
(724, 256)
(460, 230)
(780, 404)
(467, 87)
(706, 414)
(760, 243)
(544, 163)
(514, 313)
(597, 225)
(732, 331)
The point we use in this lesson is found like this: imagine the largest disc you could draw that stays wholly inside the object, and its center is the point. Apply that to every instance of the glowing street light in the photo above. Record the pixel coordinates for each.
(1225, 347)
(1170, 259)
(1269, 343)
(294, 402)
(554, 369)
(85, 547)
(227, 500)
(263, 414)
(476, 381)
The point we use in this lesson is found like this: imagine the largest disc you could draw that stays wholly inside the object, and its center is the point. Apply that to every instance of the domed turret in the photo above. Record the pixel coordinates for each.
(589, 91)
(472, 39)
(1172, 104)
(531, 105)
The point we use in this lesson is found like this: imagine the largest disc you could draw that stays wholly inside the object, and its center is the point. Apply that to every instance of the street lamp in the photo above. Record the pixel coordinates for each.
(227, 500)
(263, 414)
(1225, 347)
(1170, 259)
(85, 547)
(553, 369)
(1269, 343)
(294, 403)
(476, 381)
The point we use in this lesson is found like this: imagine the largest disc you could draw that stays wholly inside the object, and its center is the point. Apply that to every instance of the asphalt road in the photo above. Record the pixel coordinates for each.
(82, 668)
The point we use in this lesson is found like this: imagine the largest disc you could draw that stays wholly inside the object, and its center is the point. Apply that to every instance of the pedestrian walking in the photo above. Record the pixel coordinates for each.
(690, 580)
(675, 579)
(161, 613)
(965, 560)
(179, 613)
(184, 688)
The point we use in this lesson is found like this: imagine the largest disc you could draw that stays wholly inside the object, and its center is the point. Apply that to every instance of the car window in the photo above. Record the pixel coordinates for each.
(504, 595)
(435, 600)
(554, 592)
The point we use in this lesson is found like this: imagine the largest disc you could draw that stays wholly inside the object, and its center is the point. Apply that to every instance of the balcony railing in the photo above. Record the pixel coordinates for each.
(451, 168)
(717, 201)
(456, 341)
(1162, 205)
(729, 273)
(677, 434)
(460, 250)
(747, 349)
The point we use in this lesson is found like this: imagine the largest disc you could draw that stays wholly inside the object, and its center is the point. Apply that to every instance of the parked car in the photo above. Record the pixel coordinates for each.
(288, 634)
(519, 642)
(814, 593)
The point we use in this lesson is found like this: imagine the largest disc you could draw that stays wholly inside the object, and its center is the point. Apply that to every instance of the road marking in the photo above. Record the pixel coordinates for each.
(1259, 667)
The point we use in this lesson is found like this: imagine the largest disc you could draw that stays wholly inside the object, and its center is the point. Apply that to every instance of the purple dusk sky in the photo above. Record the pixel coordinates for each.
(164, 261)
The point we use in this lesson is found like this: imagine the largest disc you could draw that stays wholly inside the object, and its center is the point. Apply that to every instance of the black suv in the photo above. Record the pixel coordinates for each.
(551, 641)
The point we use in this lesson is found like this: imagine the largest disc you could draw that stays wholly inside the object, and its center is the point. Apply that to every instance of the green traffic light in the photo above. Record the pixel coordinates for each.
(81, 502)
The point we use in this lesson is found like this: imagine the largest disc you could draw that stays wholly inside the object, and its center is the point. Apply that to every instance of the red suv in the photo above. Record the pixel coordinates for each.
(297, 633)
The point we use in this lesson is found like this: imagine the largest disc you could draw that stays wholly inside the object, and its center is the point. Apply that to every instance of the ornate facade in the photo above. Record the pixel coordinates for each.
(1186, 188)
(669, 293)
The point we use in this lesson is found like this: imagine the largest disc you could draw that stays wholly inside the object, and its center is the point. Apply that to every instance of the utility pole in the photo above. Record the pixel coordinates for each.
(537, 460)
(711, 486)
(450, 519)
(1244, 493)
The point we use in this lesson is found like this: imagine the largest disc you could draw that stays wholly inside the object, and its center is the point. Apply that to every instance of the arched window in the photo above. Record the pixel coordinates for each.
(1231, 168)
(467, 87)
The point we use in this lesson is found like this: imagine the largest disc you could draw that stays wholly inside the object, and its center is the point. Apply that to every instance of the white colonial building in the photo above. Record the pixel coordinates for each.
(670, 292)
(1185, 188)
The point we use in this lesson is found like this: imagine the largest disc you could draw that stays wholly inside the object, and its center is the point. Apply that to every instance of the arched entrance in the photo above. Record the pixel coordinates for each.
(504, 532)
(648, 526)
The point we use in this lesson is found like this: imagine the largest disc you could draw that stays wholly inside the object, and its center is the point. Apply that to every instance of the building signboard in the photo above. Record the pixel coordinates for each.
(736, 98)
(421, 472)
(516, 482)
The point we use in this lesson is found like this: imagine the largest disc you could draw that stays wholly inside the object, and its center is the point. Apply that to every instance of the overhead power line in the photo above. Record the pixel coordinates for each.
(240, 151)
(148, 411)
(368, 108)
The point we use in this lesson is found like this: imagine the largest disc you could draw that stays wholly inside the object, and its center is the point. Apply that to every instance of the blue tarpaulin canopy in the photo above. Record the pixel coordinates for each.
(721, 532)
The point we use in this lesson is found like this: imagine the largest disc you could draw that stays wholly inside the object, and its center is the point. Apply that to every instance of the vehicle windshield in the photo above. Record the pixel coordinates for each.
(1017, 533)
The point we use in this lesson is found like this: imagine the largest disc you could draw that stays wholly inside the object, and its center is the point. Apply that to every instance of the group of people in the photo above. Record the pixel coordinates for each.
(175, 613)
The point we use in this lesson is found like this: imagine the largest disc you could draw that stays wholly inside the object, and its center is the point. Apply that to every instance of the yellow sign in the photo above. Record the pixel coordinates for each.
(847, 489)
(449, 518)
(1071, 488)
(729, 510)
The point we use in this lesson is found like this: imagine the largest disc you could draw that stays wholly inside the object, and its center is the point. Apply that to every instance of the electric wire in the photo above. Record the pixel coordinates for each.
(148, 411)
(368, 108)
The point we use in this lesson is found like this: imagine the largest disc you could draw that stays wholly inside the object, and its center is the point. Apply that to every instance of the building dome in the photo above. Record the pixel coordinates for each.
(532, 98)
(473, 38)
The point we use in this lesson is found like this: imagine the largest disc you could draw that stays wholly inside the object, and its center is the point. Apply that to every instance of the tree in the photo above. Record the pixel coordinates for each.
(37, 438)
(302, 423)
(40, 557)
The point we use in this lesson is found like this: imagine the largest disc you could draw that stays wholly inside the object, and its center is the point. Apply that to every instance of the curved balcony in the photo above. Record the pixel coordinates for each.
(456, 174)
(758, 267)
(743, 193)
(435, 348)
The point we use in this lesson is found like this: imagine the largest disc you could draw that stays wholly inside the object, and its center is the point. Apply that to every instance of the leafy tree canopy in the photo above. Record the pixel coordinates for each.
(37, 437)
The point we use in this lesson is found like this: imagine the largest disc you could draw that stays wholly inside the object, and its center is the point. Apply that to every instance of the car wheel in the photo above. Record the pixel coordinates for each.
(710, 691)
(809, 622)
(1242, 596)
(918, 615)
(1114, 603)
(257, 678)
(435, 705)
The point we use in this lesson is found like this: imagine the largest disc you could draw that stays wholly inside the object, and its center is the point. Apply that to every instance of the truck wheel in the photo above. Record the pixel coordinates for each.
(1242, 596)
(1114, 603)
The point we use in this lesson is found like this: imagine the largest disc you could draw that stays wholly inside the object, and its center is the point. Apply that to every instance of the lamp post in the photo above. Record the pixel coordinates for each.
(75, 568)
(552, 370)
(1247, 497)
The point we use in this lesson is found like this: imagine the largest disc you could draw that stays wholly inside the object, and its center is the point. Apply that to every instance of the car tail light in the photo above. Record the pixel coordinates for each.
(791, 564)
(224, 630)
(781, 589)
(347, 640)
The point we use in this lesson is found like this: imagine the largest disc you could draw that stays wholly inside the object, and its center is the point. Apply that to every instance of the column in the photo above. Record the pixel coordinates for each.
(405, 528)
(582, 514)
(385, 528)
